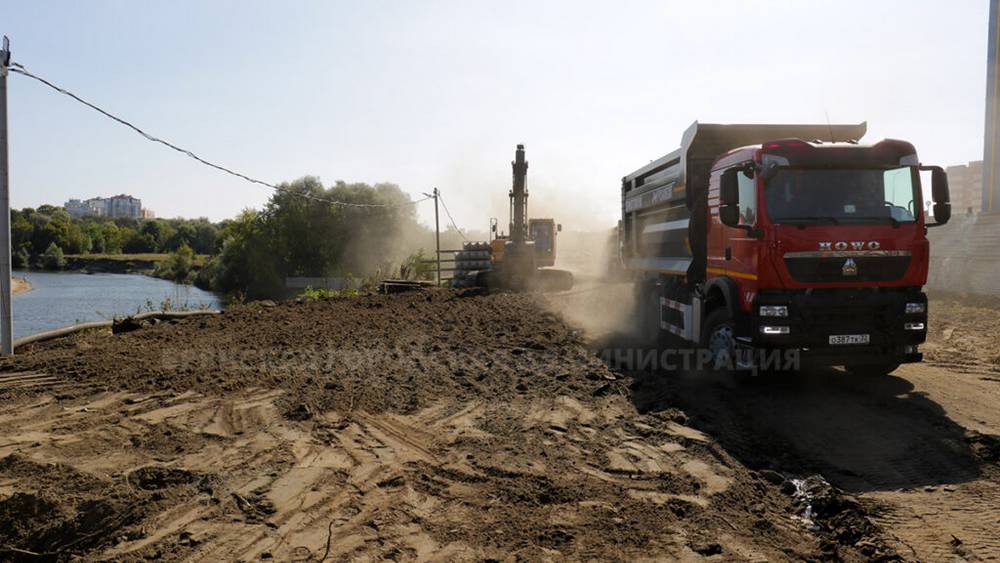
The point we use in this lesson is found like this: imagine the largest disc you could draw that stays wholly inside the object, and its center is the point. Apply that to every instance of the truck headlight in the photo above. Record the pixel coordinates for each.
(912, 308)
(774, 311)
(913, 326)
(775, 329)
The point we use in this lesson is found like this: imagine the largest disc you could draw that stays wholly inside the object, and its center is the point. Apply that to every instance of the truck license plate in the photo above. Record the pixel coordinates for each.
(841, 339)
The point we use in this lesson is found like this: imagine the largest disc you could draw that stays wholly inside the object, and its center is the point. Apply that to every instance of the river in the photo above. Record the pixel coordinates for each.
(59, 299)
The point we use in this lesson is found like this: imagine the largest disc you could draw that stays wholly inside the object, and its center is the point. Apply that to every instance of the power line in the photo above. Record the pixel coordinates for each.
(445, 205)
(20, 69)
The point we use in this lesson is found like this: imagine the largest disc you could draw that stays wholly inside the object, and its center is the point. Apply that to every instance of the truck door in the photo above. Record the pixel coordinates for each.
(733, 252)
(742, 249)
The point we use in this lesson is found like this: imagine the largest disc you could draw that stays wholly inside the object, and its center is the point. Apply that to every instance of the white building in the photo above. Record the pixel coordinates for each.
(115, 206)
(966, 185)
(123, 206)
(93, 207)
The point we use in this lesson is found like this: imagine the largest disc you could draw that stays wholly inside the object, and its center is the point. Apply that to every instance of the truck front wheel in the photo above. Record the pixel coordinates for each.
(719, 337)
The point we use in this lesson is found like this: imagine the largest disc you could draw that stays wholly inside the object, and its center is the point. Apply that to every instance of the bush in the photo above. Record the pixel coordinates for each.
(53, 258)
(417, 267)
(178, 266)
(20, 259)
(207, 276)
(320, 293)
(139, 243)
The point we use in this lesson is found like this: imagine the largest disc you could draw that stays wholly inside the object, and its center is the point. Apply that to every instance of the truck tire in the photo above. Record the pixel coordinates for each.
(871, 370)
(719, 337)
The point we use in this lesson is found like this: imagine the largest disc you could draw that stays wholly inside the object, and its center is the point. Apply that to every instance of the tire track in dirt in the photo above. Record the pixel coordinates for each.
(944, 523)
(435, 426)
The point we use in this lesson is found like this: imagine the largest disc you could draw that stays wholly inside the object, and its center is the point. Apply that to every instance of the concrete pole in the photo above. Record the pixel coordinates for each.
(6, 319)
(437, 237)
(991, 168)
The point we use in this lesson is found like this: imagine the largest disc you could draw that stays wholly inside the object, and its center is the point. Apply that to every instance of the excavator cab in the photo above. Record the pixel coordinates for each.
(542, 232)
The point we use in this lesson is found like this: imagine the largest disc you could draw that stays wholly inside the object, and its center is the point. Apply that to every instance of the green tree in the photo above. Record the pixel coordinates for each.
(113, 237)
(139, 243)
(206, 239)
(248, 263)
(302, 236)
(20, 258)
(53, 258)
(183, 235)
(21, 232)
(178, 266)
(159, 232)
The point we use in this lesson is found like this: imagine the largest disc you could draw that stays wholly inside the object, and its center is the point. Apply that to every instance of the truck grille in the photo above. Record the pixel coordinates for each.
(868, 268)
(846, 315)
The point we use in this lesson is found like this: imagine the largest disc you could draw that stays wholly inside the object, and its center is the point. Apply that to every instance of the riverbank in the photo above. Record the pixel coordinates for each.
(19, 285)
(59, 299)
(122, 263)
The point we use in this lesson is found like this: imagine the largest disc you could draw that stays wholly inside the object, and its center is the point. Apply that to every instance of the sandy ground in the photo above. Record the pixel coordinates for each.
(918, 449)
(456, 426)
(19, 285)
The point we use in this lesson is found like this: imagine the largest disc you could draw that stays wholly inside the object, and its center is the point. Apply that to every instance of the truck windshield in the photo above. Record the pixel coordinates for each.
(804, 196)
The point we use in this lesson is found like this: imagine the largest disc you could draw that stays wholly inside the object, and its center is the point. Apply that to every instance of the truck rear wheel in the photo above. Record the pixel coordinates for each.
(648, 305)
(871, 370)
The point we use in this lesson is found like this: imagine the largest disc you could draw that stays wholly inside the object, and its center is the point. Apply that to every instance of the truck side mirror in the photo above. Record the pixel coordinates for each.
(940, 194)
(939, 185)
(559, 228)
(730, 215)
(942, 214)
(729, 188)
(729, 198)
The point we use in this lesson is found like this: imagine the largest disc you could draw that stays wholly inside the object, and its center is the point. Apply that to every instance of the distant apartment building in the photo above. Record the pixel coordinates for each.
(966, 184)
(124, 206)
(115, 206)
(93, 207)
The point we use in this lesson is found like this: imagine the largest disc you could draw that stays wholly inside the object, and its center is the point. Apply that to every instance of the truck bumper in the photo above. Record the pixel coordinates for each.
(833, 327)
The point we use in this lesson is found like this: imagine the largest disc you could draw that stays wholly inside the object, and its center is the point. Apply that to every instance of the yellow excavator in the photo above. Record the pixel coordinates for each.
(521, 260)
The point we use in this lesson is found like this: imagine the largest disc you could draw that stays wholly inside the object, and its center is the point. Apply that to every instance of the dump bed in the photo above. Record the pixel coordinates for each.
(664, 223)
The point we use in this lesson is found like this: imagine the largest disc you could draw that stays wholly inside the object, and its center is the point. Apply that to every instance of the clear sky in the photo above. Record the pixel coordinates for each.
(428, 94)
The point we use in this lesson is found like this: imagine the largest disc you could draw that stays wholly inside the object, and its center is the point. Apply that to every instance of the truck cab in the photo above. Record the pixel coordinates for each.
(785, 244)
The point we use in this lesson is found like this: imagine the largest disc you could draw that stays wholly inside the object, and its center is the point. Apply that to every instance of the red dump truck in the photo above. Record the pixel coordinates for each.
(755, 239)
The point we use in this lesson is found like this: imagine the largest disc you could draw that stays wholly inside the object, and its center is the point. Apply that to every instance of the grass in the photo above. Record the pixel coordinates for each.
(320, 293)
(199, 259)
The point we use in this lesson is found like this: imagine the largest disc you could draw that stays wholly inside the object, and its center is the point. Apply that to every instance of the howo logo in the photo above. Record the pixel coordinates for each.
(853, 245)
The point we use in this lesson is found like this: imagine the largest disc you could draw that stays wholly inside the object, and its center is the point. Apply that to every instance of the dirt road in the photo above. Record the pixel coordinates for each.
(920, 448)
(456, 426)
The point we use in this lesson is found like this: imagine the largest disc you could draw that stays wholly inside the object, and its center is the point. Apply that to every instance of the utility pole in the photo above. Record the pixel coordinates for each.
(6, 321)
(437, 237)
(991, 166)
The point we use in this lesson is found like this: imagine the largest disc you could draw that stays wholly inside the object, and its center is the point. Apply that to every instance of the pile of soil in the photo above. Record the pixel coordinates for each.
(371, 353)
(435, 425)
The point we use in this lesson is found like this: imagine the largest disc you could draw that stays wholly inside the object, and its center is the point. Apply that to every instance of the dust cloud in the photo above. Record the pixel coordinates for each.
(602, 301)
(602, 309)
